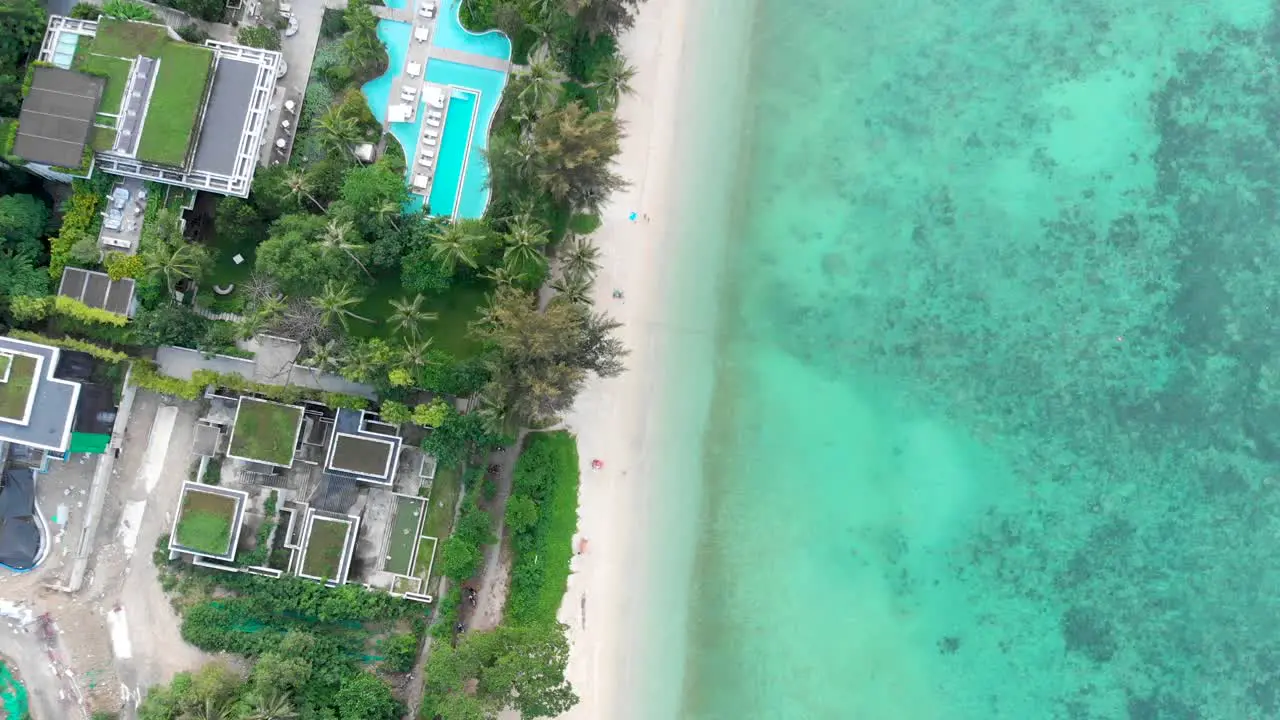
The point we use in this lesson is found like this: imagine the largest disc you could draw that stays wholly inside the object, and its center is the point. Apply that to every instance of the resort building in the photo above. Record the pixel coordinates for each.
(133, 99)
(44, 406)
(331, 495)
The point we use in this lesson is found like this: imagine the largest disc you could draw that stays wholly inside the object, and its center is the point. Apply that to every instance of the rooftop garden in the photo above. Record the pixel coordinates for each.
(14, 392)
(181, 83)
(361, 455)
(265, 431)
(102, 139)
(324, 547)
(114, 69)
(205, 521)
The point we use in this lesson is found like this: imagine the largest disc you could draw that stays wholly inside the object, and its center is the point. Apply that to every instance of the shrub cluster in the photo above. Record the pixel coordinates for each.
(78, 219)
(547, 475)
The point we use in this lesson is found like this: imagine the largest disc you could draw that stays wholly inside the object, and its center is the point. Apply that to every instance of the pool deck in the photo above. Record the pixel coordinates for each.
(422, 53)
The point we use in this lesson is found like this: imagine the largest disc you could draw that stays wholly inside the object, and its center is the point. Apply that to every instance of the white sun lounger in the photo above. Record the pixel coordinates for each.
(421, 181)
(430, 134)
(428, 153)
(429, 141)
(433, 123)
(421, 34)
(413, 70)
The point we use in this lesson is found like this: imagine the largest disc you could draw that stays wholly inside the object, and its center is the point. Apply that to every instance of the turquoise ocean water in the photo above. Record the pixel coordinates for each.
(994, 428)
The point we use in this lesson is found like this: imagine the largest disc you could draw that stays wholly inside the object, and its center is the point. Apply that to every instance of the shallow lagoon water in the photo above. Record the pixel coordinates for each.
(996, 422)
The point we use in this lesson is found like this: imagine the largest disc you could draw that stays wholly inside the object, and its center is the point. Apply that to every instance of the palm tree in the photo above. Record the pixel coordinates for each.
(361, 46)
(339, 132)
(580, 258)
(299, 187)
(358, 367)
(612, 79)
(210, 710)
(175, 261)
(275, 706)
(524, 240)
(266, 312)
(388, 211)
(541, 87)
(335, 304)
(335, 238)
(512, 157)
(456, 245)
(415, 352)
(409, 315)
(500, 276)
(323, 356)
(574, 288)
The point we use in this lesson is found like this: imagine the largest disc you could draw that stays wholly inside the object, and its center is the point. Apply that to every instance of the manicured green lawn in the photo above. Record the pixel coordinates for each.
(102, 139)
(324, 548)
(404, 534)
(204, 522)
(265, 431)
(225, 270)
(457, 307)
(176, 102)
(13, 394)
(117, 72)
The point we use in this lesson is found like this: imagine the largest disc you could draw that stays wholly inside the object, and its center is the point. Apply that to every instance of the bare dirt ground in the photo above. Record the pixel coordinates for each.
(118, 635)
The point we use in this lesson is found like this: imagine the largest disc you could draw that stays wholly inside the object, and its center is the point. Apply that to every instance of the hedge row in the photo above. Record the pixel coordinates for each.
(147, 376)
(73, 308)
(70, 343)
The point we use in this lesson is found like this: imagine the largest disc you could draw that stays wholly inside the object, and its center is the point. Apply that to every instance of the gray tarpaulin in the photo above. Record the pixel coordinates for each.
(19, 529)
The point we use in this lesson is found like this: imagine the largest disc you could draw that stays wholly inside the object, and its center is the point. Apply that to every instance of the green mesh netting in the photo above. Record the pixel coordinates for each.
(13, 696)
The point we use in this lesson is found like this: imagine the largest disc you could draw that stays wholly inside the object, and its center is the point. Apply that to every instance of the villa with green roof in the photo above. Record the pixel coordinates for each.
(132, 98)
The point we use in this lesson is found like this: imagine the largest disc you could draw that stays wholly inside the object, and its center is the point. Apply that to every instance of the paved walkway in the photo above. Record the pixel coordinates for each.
(404, 15)
(466, 58)
(276, 368)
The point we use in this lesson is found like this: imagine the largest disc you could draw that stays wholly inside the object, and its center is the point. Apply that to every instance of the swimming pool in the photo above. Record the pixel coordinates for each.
(449, 33)
(396, 36)
(451, 164)
(473, 191)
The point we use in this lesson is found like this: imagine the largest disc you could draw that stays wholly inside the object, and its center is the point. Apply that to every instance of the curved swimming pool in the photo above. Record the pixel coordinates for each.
(461, 188)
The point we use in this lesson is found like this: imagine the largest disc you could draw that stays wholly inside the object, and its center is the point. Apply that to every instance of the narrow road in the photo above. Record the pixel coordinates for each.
(494, 579)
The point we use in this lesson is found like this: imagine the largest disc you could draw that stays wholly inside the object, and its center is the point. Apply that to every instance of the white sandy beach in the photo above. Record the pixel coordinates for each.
(614, 418)
(620, 611)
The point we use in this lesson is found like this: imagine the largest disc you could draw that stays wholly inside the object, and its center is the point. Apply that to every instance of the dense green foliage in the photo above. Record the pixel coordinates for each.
(547, 475)
(127, 10)
(23, 23)
(23, 219)
(462, 553)
(300, 676)
(517, 667)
